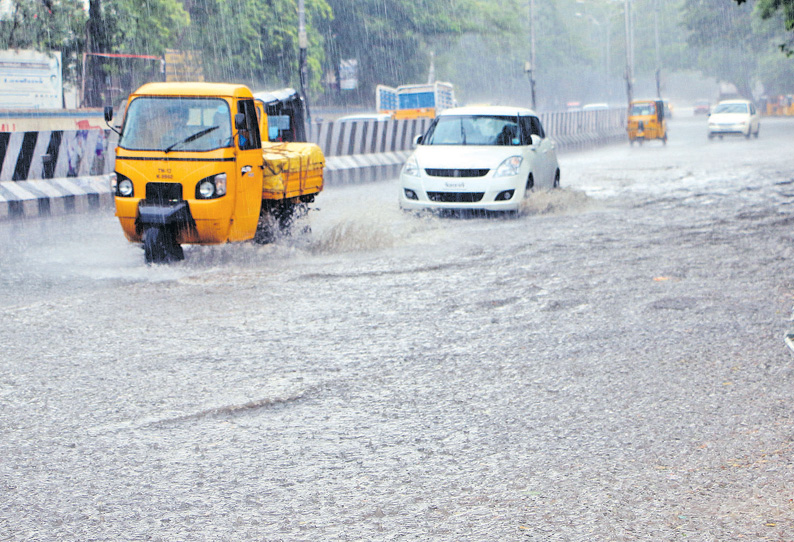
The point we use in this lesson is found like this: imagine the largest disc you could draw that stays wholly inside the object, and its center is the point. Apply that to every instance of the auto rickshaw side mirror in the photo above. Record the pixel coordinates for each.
(239, 121)
(108, 113)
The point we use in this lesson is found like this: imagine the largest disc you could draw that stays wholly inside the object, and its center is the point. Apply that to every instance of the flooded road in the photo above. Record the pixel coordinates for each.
(607, 366)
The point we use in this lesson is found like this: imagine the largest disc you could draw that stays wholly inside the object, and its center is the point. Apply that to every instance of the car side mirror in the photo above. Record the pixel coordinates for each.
(418, 140)
(535, 140)
(239, 121)
(108, 113)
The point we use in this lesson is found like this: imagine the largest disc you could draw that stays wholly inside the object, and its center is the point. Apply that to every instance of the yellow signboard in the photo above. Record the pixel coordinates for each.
(183, 66)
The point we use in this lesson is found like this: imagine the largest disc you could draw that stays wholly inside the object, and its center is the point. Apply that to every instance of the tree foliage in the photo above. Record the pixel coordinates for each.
(393, 41)
(769, 8)
(735, 45)
(255, 41)
(47, 25)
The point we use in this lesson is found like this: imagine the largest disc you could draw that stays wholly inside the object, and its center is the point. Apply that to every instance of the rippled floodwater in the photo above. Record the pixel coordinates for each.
(609, 365)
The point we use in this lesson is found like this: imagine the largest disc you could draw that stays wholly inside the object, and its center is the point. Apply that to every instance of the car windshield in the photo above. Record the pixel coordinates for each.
(178, 124)
(643, 109)
(730, 108)
(474, 130)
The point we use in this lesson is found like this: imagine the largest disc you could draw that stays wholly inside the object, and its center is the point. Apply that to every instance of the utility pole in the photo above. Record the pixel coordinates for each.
(629, 53)
(658, 55)
(303, 44)
(531, 68)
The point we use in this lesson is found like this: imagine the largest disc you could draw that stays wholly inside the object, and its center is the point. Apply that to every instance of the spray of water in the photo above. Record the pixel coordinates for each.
(559, 201)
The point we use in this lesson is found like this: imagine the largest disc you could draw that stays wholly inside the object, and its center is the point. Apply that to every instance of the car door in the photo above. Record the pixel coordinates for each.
(754, 119)
(547, 151)
(534, 153)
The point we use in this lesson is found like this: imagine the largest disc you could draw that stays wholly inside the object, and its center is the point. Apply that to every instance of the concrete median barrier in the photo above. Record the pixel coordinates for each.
(50, 197)
(65, 171)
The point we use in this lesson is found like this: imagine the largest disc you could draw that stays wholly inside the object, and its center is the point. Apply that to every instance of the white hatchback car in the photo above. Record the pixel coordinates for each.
(734, 117)
(485, 158)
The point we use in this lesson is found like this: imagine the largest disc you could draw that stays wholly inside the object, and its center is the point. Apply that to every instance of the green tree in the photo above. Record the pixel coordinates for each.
(739, 44)
(255, 41)
(392, 41)
(47, 25)
(728, 46)
(140, 27)
(768, 8)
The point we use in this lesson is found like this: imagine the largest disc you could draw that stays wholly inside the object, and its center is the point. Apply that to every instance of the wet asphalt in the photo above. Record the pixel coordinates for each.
(607, 366)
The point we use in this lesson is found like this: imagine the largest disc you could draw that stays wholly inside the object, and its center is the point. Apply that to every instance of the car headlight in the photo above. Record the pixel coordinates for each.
(509, 167)
(211, 187)
(411, 167)
(123, 185)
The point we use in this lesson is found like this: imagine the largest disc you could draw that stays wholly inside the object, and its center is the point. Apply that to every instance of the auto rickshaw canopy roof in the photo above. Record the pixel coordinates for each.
(194, 89)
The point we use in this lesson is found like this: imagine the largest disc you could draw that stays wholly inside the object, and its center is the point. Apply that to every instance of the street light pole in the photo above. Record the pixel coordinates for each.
(303, 44)
(658, 56)
(531, 66)
(629, 53)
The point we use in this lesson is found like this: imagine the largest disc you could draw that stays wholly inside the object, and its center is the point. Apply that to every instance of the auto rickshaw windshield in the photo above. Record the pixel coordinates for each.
(180, 124)
(643, 109)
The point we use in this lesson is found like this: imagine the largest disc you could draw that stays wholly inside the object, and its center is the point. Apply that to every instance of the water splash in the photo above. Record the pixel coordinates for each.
(558, 201)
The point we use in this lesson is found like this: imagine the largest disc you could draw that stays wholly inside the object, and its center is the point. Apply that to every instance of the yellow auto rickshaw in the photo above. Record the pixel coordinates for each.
(646, 121)
(191, 167)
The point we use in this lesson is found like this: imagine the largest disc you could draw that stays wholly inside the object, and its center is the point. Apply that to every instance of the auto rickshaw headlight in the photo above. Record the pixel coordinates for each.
(211, 187)
(125, 188)
(220, 184)
(205, 189)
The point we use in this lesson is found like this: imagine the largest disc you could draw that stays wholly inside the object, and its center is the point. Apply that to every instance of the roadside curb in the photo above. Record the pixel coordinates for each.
(53, 197)
(63, 196)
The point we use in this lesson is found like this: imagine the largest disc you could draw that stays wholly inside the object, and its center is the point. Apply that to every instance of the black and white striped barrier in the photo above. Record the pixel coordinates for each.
(27, 199)
(356, 137)
(56, 154)
(55, 172)
(372, 150)
(575, 130)
(363, 168)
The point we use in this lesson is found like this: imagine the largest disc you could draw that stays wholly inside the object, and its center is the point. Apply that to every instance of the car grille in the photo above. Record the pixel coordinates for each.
(163, 192)
(455, 197)
(434, 172)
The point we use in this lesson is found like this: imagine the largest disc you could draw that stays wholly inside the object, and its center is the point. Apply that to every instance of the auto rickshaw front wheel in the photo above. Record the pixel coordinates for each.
(160, 246)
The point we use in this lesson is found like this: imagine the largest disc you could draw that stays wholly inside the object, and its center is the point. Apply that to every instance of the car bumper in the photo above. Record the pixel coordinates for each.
(461, 194)
(728, 129)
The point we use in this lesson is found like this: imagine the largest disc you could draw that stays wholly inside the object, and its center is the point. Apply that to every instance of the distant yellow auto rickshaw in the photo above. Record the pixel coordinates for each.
(646, 121)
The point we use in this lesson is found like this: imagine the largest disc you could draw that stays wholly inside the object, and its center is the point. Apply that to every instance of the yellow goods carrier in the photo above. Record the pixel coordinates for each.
(191, 167)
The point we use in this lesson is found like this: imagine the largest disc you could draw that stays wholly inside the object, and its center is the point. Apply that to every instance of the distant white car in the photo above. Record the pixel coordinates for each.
(485, 157)
(595, 107)
(734, 117)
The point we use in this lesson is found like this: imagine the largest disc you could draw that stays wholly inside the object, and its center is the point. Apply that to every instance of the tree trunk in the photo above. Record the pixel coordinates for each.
(97, 43)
